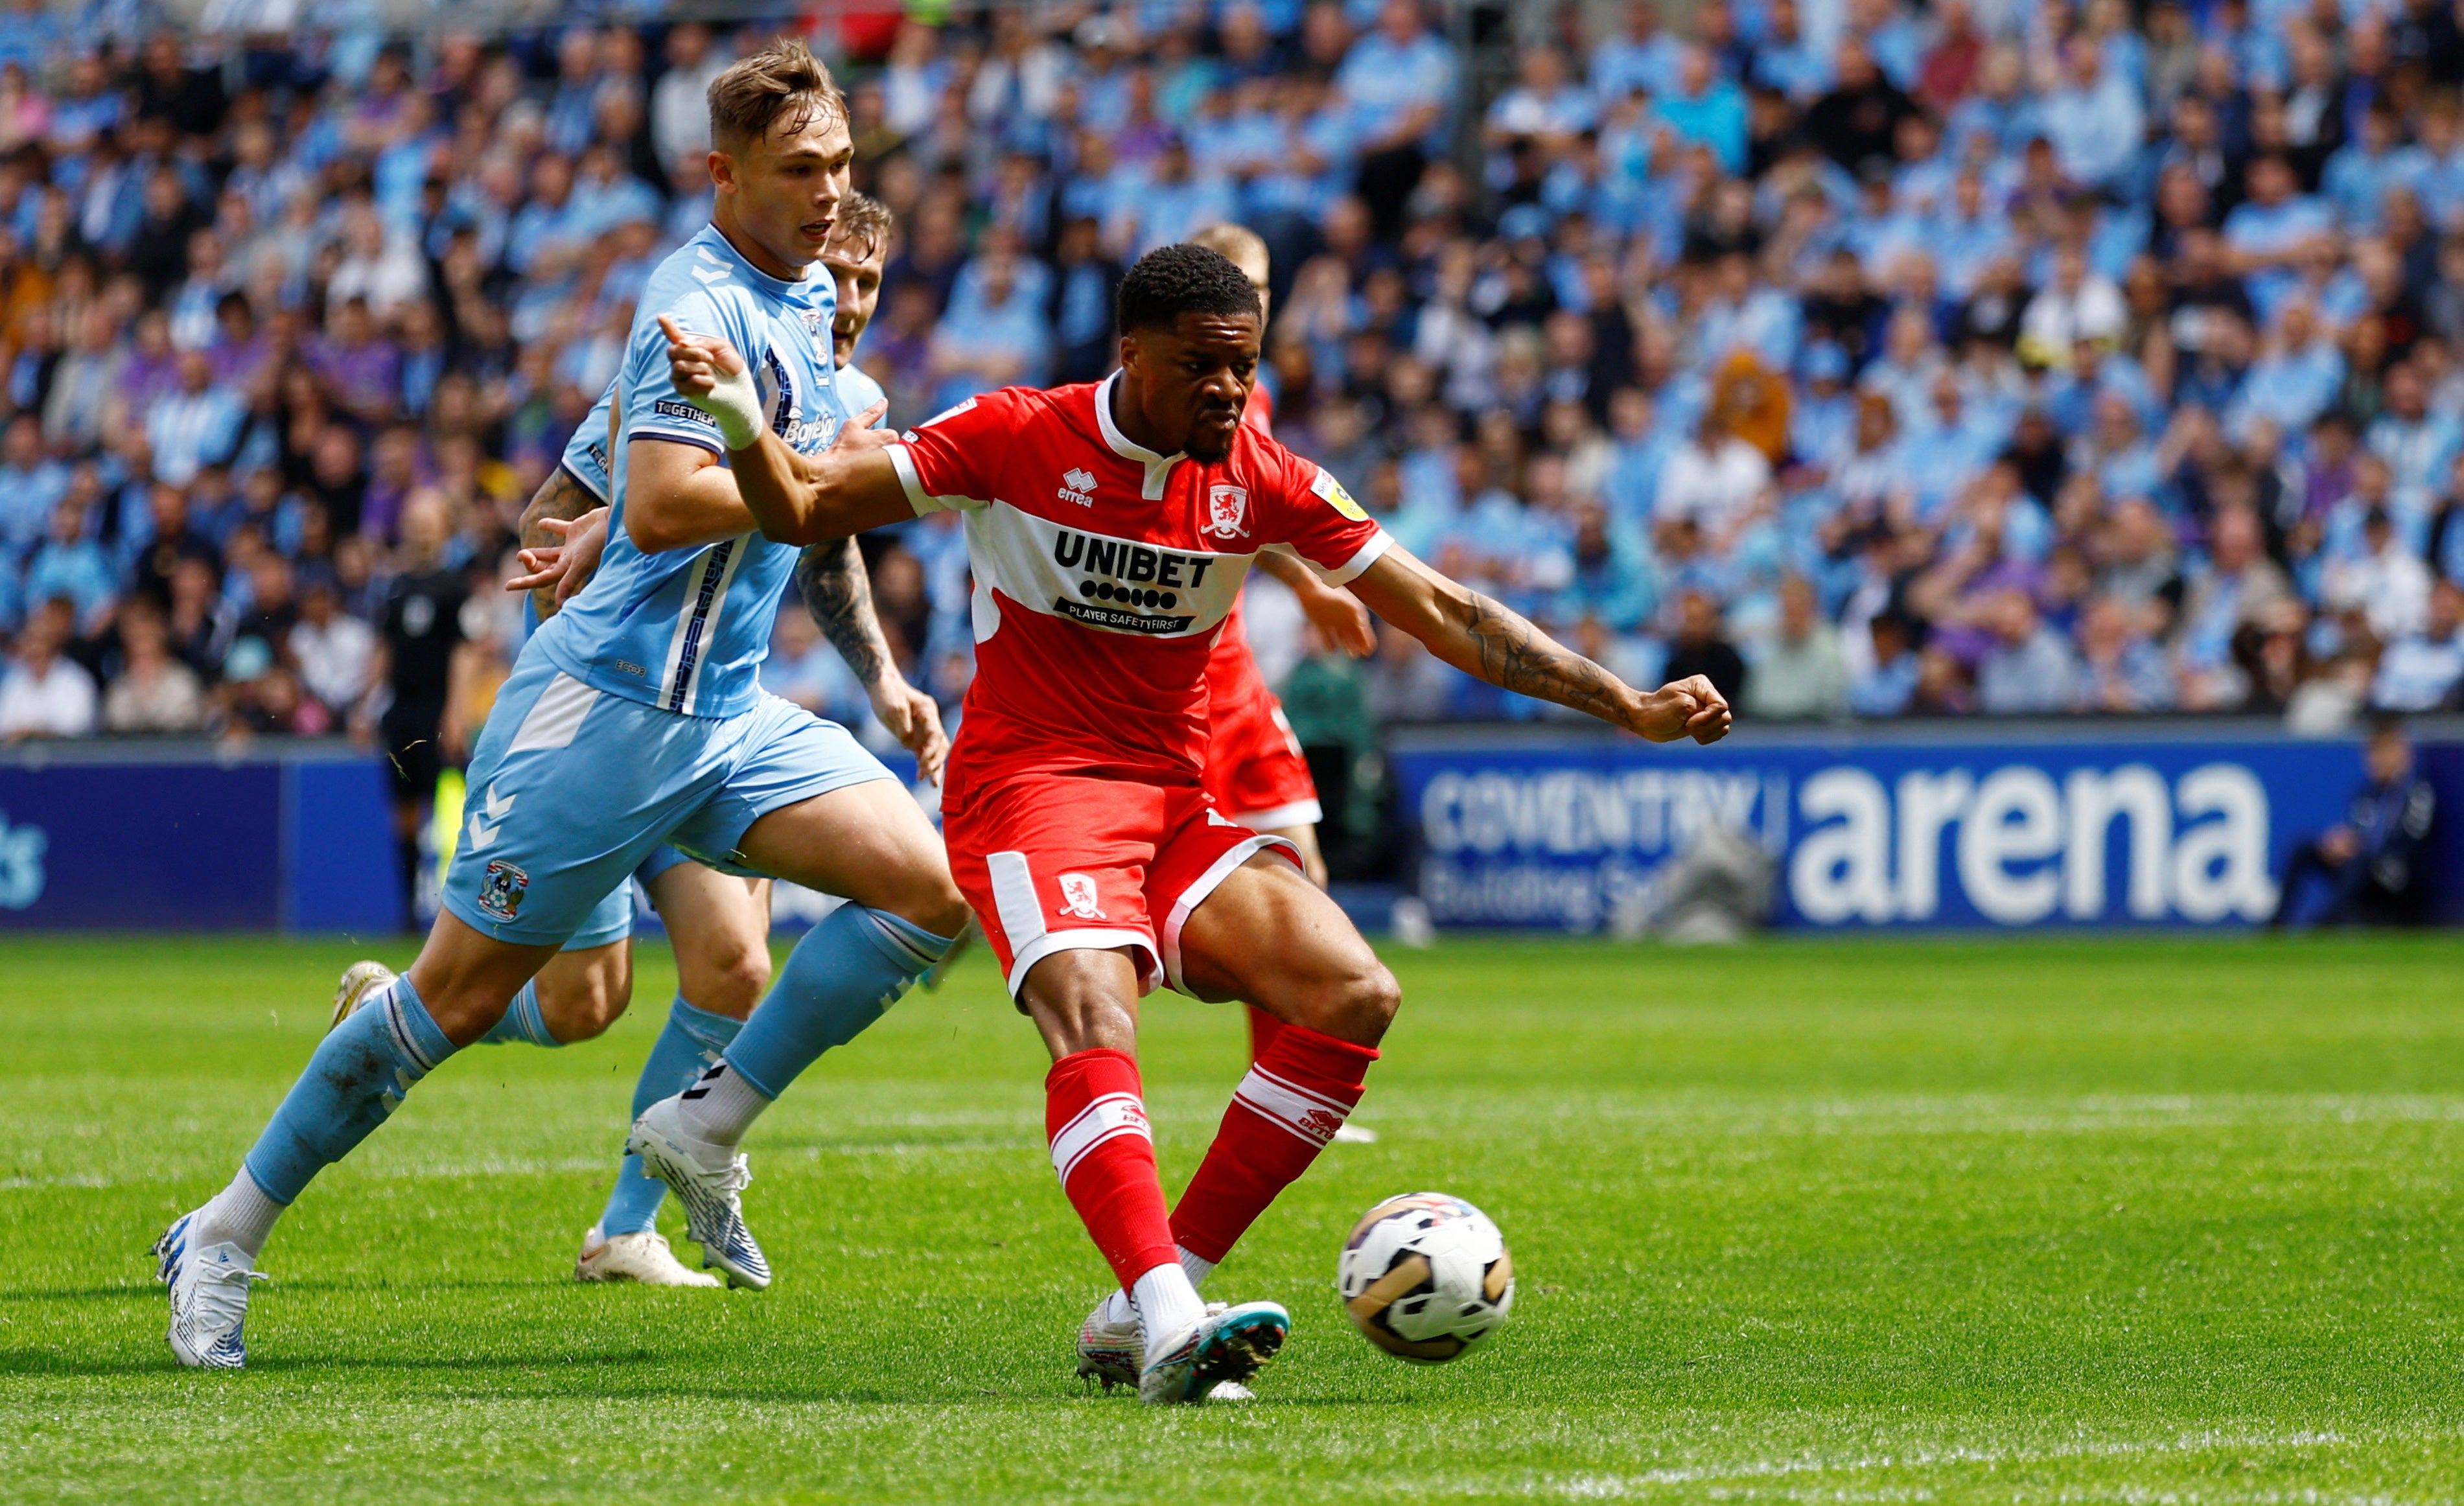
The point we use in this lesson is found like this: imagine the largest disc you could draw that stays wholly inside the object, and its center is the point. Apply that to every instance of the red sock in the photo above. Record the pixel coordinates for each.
(1299, 1093)
(1105, 1154)
(1263, 1028)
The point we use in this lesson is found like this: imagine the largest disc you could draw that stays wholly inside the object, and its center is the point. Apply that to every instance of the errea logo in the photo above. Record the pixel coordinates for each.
(1078, 486)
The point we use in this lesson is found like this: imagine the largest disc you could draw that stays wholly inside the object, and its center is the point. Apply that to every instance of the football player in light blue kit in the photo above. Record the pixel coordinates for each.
(634, 717)
(719, 924)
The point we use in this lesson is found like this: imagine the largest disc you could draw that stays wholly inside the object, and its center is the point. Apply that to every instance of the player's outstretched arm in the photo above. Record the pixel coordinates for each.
(1482, 637)
(839, 594)
(794, 499)
(563, 500)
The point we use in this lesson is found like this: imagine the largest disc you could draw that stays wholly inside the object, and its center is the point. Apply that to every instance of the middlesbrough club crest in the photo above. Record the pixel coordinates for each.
(1078, 897)
(1228, 511)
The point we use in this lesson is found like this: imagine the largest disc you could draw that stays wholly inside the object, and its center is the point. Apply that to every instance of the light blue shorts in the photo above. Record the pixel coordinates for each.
(612, 918)
(572, 790)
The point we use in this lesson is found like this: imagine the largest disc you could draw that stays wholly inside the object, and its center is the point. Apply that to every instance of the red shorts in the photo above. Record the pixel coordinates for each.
(1254, 768)
(1057, 862)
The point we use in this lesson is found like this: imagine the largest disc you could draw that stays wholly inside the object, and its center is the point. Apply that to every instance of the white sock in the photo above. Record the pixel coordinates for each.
(721, 1106)
(1167, 1305)
(1197, 1268)
(240, 1215)
(1119, 1309)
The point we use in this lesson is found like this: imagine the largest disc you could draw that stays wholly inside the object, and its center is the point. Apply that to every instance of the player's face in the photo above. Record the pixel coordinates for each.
(1191, 382)
(858, 270)
(783, 190)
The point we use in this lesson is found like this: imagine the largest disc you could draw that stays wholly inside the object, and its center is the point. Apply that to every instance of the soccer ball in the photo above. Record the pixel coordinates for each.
(1425, 1276)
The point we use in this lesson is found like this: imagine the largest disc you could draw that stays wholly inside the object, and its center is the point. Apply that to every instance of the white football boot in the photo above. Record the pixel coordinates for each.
(362, 981)
(1114, 1353)
(1226, 1345)
(1109, 1352)
(642, 1257)
(209, 1299)
(709, 1181)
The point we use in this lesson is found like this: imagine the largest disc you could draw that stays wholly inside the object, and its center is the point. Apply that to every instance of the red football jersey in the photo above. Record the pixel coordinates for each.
(1104, 573)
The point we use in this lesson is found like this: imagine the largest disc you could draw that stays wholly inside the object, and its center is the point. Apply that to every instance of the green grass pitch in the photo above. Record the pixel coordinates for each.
(2142, 1221)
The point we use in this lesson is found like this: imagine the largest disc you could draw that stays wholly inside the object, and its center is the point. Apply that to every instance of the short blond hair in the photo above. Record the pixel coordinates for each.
(865, 221)
(782, 81)
(1241, 245)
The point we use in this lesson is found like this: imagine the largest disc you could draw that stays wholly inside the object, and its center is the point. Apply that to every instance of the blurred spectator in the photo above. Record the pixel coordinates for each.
(1802, 673)
(2119, 669)
(2027, 670)
(70, 567)
(1701, 649)
(2421, 671)
(2385, 582)
(2371, 869)
(45, 693)
(1715, 480)
(331, 647)
(679, 111)
(1399, 81)
(154, 692)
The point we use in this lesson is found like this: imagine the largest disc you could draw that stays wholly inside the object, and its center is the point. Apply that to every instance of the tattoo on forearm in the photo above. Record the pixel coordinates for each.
(1521, 658)
(562, 497)
(839, 594)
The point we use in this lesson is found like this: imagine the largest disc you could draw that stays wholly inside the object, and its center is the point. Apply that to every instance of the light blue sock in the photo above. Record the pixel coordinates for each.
(522, 1021)
(838, 980)
(689, 1041)
(360, 1071)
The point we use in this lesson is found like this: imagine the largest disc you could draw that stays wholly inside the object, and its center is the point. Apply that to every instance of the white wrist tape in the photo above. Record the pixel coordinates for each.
(736, 403)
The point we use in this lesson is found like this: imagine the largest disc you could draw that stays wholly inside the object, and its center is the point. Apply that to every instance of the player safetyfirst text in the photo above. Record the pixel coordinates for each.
(1140, 579)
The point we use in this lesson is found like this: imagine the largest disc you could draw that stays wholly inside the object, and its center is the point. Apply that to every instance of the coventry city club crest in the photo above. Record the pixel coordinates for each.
(500, 892)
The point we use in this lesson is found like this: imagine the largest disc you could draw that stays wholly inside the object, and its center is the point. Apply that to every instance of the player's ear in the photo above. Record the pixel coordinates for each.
(722, 170)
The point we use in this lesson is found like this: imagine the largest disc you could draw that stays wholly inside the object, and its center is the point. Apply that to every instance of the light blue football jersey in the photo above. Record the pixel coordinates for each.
(585, 453)
(858, 391)
(687, 629)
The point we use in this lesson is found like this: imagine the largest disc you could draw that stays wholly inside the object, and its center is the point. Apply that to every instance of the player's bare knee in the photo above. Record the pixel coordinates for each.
(581, 1006)
(929, 899)
(1078, 1003)
(729, 984)
(464, 1013)
(1355, 1000)
(1365, 1003)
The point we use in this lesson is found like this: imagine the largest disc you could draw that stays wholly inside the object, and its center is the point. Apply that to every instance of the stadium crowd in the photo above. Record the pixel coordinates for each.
(1873, 359)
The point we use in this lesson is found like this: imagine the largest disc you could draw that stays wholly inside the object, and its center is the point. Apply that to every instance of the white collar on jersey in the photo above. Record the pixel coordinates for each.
(1158, 466)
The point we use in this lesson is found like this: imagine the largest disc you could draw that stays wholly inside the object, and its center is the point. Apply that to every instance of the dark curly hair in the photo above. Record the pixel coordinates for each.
(1170, 281)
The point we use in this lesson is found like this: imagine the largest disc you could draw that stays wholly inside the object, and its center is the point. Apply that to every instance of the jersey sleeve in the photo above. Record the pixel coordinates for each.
(1314, 518)
(585, 453)
(950, 460)
(653, 408)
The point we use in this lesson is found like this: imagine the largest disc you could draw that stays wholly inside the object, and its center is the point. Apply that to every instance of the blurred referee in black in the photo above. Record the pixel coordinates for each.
(409, 675)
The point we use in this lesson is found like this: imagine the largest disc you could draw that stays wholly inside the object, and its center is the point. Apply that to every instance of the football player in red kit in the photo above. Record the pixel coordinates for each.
(1109, 526)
